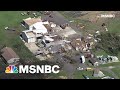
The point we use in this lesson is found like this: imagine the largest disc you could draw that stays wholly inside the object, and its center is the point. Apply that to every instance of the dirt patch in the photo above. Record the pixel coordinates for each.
(32, 47)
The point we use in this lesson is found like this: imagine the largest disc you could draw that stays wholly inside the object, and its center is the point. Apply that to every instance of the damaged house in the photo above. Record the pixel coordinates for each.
(77, 44)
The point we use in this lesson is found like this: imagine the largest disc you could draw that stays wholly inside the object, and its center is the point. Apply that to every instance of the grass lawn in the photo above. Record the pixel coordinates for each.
(116, 71)
(110, 64)
(2, 66)
(114, 25)
(107, 73)
(101, 52)
(79, 75)
(12, 19)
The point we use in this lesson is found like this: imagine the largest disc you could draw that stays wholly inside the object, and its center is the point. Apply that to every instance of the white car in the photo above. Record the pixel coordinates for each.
(79, 68)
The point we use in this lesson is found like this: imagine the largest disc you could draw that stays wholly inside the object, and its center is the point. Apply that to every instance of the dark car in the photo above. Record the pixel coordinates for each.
(86, 77)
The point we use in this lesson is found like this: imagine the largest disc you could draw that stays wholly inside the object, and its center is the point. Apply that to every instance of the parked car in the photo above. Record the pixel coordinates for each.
(86, 77)
(79, 68)
(89, 69)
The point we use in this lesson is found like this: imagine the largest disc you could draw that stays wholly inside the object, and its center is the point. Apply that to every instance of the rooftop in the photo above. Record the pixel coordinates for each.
(31, 21)
(8, 53)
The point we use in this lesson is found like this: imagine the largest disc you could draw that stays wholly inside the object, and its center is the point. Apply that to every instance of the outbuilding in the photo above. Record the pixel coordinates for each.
(10, 56)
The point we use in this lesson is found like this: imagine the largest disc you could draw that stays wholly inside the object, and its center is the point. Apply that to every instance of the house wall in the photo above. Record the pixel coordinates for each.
(83, 59)
(13, 60)
(24, 37)
(28, 40)
(31, 27)
(31, 40)
(26, 25)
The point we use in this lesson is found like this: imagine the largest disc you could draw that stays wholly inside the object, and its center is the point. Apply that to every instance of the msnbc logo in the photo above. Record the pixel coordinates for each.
(33, 69)
(11, 69)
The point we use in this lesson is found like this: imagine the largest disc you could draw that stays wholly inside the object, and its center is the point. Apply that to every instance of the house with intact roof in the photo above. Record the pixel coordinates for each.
(10, 56)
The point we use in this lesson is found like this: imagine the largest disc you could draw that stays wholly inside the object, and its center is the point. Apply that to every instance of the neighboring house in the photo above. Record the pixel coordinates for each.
(10, 56)
(94, 61)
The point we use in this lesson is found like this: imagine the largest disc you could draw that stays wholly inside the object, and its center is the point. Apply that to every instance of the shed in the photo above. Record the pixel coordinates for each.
(10, 56)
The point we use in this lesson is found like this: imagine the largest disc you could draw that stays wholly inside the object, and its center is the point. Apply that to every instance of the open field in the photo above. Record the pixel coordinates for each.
(79, 75)
(92, 24)
(13, 19)
(116, 71)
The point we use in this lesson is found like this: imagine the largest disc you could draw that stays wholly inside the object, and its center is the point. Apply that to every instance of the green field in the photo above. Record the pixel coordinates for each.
(113, 25)
(116, 71)
(13, 19)
(79, 75)
(107, 73)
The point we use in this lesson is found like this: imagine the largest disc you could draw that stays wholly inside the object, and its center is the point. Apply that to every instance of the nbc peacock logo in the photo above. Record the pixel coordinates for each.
(11, 69)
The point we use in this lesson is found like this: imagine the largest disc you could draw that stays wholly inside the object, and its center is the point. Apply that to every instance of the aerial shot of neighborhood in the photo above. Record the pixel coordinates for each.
(84, 44)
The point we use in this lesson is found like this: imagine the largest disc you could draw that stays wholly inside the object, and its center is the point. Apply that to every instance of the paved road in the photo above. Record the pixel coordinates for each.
(67, 67)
